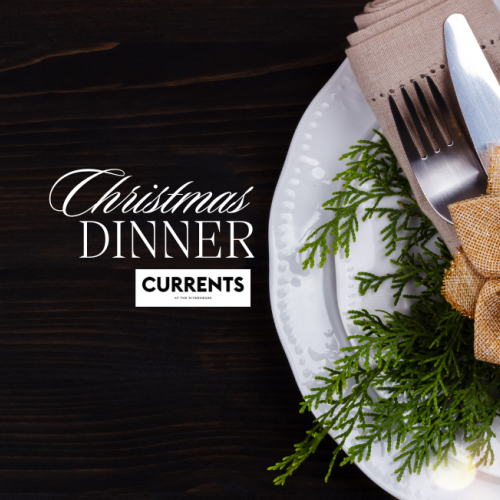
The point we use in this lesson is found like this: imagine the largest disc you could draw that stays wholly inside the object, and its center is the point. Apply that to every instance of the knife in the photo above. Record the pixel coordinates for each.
(476, 86)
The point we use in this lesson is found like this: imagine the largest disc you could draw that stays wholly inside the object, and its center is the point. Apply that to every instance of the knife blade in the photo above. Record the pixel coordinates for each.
(476, 86)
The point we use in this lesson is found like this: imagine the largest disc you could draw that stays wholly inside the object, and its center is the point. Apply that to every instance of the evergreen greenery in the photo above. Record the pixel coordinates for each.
(423, 362)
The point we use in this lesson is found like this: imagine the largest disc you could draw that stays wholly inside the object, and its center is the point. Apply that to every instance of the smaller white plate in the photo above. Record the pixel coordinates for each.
(368, 255)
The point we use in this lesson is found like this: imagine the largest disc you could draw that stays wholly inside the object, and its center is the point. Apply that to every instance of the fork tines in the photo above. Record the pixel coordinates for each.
(446, 174)
(441, 108)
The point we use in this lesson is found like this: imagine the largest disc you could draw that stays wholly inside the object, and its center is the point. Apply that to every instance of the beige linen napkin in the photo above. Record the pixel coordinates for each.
(400, 41)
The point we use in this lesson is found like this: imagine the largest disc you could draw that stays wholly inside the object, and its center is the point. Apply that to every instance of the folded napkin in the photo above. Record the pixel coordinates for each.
(400, 41)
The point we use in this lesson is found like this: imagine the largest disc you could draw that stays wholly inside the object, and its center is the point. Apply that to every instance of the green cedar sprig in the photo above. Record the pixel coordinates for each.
(375, 164)
(424, 361)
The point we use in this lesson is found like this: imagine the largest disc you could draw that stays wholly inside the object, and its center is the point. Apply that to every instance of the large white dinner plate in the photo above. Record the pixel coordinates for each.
(304, 303)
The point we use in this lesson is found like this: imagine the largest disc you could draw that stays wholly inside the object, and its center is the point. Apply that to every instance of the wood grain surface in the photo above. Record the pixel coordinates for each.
(99, 399)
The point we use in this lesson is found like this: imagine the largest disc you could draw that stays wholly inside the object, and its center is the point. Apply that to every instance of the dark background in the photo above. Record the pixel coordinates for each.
(99, 399)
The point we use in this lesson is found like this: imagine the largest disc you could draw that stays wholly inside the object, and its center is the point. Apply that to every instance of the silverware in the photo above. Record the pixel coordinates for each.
(476, 86)
(452, 172)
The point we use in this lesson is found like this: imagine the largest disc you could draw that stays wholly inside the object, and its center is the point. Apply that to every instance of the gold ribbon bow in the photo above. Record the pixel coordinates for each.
(472, 285)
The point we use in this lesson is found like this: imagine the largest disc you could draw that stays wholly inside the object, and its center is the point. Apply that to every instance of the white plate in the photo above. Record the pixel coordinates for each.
(304, 303)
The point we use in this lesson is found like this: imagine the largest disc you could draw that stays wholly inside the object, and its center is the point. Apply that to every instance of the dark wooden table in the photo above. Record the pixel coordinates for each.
(99, 399)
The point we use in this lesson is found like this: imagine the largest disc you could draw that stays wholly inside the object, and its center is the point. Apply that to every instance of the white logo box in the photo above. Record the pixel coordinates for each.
(192, 288)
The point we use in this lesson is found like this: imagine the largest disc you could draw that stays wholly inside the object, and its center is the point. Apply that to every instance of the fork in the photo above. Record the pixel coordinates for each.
(447, 175)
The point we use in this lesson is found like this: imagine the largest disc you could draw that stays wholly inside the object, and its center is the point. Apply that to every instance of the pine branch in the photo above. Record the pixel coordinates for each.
(372, 176)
